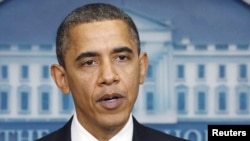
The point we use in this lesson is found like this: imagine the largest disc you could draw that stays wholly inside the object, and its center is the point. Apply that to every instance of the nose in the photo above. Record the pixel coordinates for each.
(108, 74)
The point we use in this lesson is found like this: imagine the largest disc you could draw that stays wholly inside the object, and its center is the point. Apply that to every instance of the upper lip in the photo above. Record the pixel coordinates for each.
(109, 97)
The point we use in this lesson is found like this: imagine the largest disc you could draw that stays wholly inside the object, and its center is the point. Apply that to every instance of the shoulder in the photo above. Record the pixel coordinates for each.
(149, 134)
(63, 133)
(56, 135)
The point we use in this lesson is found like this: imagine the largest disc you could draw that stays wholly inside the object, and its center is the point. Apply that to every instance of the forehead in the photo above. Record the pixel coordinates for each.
(97, 27)
(94, 33)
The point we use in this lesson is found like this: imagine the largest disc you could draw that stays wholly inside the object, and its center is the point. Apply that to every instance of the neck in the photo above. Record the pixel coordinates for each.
(102, 132)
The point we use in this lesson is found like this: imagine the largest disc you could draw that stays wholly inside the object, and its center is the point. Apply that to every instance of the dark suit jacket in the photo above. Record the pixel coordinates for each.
(141, 133)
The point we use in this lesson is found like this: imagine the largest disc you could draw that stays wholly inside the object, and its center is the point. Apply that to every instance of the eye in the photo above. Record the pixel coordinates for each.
(122, 58)
(89, 63)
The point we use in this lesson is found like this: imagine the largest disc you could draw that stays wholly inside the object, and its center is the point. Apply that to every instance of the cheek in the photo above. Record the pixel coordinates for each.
(132, 74)
(82, 86)
(130, 78)
(83, 95)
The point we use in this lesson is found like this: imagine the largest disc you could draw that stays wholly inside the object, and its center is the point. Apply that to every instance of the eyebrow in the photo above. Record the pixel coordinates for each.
(93, 54)
(86, 54)
(122, 49)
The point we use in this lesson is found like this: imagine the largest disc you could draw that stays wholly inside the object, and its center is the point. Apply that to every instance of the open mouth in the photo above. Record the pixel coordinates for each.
(110, 97)
(111, 101)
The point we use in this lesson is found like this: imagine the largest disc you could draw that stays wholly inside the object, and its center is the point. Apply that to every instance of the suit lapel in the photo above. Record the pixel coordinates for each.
(137, 131)
(65, 131)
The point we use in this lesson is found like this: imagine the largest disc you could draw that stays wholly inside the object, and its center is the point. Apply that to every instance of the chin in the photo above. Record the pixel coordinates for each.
(112, 121)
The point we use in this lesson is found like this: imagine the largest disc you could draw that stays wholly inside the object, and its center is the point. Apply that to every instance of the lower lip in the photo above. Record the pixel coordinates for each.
(111, 104)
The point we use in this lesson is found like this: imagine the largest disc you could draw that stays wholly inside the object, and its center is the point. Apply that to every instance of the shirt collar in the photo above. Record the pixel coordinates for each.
(79, 133)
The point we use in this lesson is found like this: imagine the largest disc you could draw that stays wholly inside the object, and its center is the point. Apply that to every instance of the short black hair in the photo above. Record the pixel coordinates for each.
(91, 13)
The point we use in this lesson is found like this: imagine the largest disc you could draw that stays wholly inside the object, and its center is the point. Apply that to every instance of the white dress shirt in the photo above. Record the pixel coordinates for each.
(79, 133)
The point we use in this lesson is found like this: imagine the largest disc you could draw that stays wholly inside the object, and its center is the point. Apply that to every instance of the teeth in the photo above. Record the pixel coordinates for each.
(110, 98)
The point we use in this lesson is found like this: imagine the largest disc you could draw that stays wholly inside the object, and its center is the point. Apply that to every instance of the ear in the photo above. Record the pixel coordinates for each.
(143, 60)
(59, 75)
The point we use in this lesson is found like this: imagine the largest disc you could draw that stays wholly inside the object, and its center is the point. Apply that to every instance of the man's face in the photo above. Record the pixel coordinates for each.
(103, 71)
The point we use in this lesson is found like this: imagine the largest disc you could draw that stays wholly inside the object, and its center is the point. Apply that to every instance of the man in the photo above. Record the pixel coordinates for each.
(100, 63)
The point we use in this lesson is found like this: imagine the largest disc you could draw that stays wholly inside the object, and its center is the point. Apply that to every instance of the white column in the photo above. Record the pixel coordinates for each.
(13, 97)
(140, 104)
(159, 87)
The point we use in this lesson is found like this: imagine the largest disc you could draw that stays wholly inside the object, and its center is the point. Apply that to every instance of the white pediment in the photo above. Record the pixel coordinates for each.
(146, 23)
